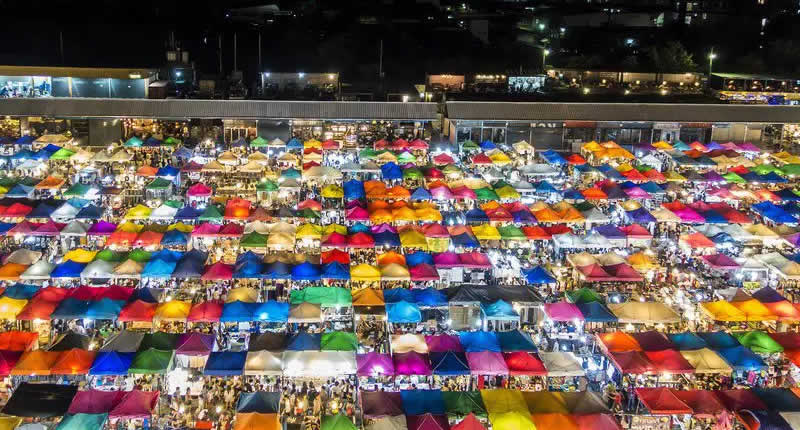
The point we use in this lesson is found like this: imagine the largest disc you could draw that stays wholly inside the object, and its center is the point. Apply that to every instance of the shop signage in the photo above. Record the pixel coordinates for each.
(580, 124)
(666, 125)
(645, 422)
(546, 125)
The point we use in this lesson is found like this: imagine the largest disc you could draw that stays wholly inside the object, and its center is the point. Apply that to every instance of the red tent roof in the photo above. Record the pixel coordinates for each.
(360, 240)
(633, 362)
(443, 159)
(335, 255)
(218, 271)
(16, 340)
(635, 231)
(524, 363)
(735, 400)
(576, 160)
(669, 361)
(335, 239)
(138, 310)
(468, 423)
(661, 401)
(702, 402)
(481, 159)
(209, 311)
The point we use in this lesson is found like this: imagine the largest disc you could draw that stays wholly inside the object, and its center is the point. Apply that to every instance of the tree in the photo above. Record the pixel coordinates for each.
(671, 58)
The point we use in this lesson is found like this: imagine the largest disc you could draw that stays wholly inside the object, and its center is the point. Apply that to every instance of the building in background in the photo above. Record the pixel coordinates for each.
(37, 81)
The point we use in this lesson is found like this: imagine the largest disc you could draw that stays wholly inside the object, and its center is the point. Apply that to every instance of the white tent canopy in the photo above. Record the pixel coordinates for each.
(319, 364)
(40, 270)
(98, 269)
(263, 363)
(164, 211)
(23, 256)
(75, 228)
(64, 212)
(561, 364)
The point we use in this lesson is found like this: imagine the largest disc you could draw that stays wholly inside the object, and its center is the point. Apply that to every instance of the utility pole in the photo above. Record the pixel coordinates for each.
(259, 51)
(219, 50)
(61, 46)
(380, 61)
(235, 69)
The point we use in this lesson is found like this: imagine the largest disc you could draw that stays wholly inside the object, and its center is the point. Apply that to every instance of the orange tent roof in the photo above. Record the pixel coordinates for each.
(398, 192)
(784, 310)
(147, 171)
(594, 193)
(391, 257)
(381, 216)
(555, 421)
(36, 362)
(546, 215)
(619, 342)
(256, 421)
(368, 297)
(73, 362)
(404, 214)
(50, 182)
(11, 271)
(697, 240)
(16, 340)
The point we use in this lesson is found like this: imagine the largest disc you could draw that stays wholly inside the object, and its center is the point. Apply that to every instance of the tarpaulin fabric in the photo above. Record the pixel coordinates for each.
(449, 363)
(381, 403)
(151, 361)
(411, 363)
(515, 340)
(741, 358)
(225, 363)
(464, 403)
(419, 402)
(661, 401)
(479, 341)
(372, 364)
(260, 402)
(111, 363)
(135, 404)
(687, 341)
(40, 400)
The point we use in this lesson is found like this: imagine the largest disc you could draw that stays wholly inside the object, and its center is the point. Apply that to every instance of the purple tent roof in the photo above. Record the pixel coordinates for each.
(372, 363)
(441, 193)
(563, 311)
(610, 231)
(411, 363)
(712, 176)
(713, 145)
(748, 147)
(195, 344)
(653, 341)
(487, 363)
(637, 193)
(446, 259)
(376, 404)
(443, 343)
(380, 228)
(102, 228)
(767, 295)
(95, 401)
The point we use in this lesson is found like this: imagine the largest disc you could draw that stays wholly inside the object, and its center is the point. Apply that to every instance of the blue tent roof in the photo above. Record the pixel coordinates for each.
(294, 143)
(778, 399)
(420, 402)
(71, 309)
(111, 363)
(418, 257)
(391, 171)
(792, 209)
(499, 309)
(277, 270)
(787, 195)
(272, 311)
(640, 215)
(191, 266)
(742, 358)
(50, 149)
(763, 295)
(238, 311)
(261, 402)
(68, 269)
(573, 194)
(515, 340)
(174, 238)
(386, 238)
(248, 257)
(611, 173)
(394, 295)
(429, 297)
(464, 240)
(523, 216)
(21, 291)
(713, 217)
(596, 312)
(23, 155)
(652, 188)
(421, 194)
(403, 312)
(609, 231)
(225, 363)
(24, 140)
(168, 172)
(553, 157)
(158, 268)
(476, 215)
(6, 226)
(477, 341)
(89, 212)
(545, 187)
(249, 270)
(687, 341)
(149, 295)
(539, 275)
(42, 210)
(151, 141)
(167, 255)
(353, 189)
(304, 342)
(718, 340)
(775, 213)
(183, 152)
(19, 190)
(240, 142)
(358, 227)
(306, 272)
(41, 155)
(105, 309)
(188, 212)
(487, 145)
(335, 270)
(773, 178)
(449, 363)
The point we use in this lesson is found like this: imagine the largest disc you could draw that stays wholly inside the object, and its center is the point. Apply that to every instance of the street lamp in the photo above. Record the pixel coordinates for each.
(545, 53)
(711, 58)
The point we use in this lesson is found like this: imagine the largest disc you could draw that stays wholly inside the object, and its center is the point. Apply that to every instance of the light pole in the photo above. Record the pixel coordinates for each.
(711, 58)
(545, 53)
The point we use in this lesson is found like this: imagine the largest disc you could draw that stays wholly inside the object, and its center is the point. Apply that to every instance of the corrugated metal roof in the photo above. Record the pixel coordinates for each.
(216, 109)
(76, 72)
(508, 111)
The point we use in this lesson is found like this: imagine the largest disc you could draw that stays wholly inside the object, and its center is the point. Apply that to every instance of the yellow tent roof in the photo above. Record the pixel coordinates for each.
(644, 312)
(513, 420)
(368, 297)
(662, 145)
(631, 205)
(428, 214)
(673, 176)
(338, 228)
(523, 147)
(411, 238)
(228, 158)
(80, 255)
(486, 232)
(312, 231)
(181, 227)
(9, 423)
(545, 402)
(722, 310)
(624, 167)
(404, 213)
(706, 361)
(501, 401)
(386, 157)
(754, 310)
(213, 166)
(333, 192)
(242, 294)
(312, 143)
(129, 227)
(507, 192)
(365, 272)
(500, 158)
(9, 308)
(288, 157)
(252, 166)
(641, 261)
(175, 310)
(312, 156)
(137, 212)
(394, 272)
(592, 147)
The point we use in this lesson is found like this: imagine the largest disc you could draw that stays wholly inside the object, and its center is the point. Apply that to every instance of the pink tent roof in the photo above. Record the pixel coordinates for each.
(686, 214)
(195, 344)
(443, 343)
(95, 401)
(464, 192)
(357, 214)
(411, 363)
(424, 272)
(637, 193)
(335, 240)
(49, 228)
(135, 404)
(487, 363)
(446, 260)
(218, 271)
(441, 193)
(206, 229)
(730, 145)
(25, 227)
(747, 147)
(418, 144)
(383, 227)
(372, 363)
(594, 272)
(720, 261)
(435, 230)
(623, 272)
(199, 190)
(475, 260)
(563, 311)
(636, 231)
(443, 159)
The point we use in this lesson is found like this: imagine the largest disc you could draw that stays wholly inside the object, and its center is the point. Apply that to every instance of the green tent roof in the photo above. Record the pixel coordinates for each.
(791, 169)
(323, 296)
(486, 193)
(308, 213)
(266, 186)
(159, 184)
(139, 255)
(176, 204)
(7, 182)
(258, 142)
(254, 240)
(733, 177)
(151, 361)
(111, 256)
(511, 232)
(464, 403)
(759, 342)
(171, 141)
(134, 142)
(82, 421)
(406, 157)
(763, 169)
(77, 190)
(470, 145)
(212, 213)
(337, 422)
(584, 295)
(583, 206)
(62, 154)
(412, 173)
(338, 341)
(643, 168)
(368, 153)
(291, 173)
